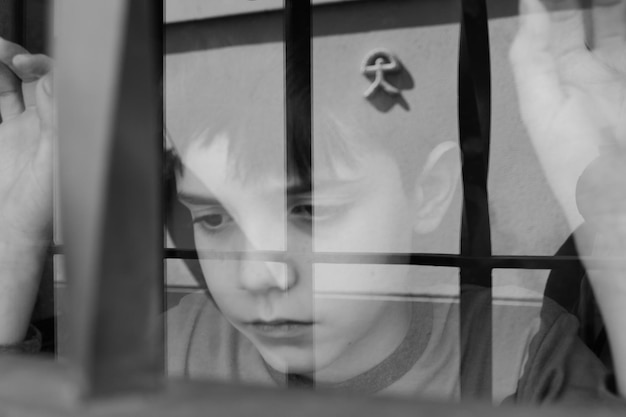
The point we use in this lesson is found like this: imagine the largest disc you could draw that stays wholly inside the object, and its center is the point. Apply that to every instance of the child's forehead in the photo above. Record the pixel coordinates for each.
(211, 167)
(250, 156)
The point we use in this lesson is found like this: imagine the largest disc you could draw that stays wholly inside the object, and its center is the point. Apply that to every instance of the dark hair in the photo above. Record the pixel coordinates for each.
(177, 218)
(257, 155)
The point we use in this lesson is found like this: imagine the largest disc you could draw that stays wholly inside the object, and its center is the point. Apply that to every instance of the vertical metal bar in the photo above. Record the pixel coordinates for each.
(110, 174)
(474, 129)
(11, 20)
(298, 144)
(298, 86)
(36, 25)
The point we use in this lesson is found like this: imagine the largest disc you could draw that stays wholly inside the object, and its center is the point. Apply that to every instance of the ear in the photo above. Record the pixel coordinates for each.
(435, 187)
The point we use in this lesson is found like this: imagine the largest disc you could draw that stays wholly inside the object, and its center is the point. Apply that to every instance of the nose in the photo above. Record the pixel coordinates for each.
(262, 276)
(277, 272)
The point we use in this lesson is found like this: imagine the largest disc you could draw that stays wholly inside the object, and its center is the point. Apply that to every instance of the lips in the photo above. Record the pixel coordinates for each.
(282, 327)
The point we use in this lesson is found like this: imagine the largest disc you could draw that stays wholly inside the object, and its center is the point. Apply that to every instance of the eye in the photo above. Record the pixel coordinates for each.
(214, 221)
(317, 212)
(302, 210)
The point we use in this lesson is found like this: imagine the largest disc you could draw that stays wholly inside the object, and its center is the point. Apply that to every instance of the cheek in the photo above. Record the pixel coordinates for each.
(221, 279)
(357, 281)
(219, 275)
(380, 224)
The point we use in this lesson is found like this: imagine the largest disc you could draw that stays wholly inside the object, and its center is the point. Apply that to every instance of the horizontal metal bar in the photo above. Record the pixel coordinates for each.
(425, 259)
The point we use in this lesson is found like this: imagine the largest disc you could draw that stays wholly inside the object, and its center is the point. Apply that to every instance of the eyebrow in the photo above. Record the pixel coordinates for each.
(191, 198)
(296, 189)
(186, 197)
(304, 188)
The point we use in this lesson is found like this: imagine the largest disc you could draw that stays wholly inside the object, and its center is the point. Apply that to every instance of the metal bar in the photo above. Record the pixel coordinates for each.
(427, 259)
(298, 142)
(431, 259)
(110, 173)
(36, 25)
(11, 20)
(474, 128)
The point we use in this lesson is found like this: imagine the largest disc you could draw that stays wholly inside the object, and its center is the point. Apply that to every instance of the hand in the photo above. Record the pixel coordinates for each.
(25, 185)
(26, 140)
(572, 99)
(570, 71)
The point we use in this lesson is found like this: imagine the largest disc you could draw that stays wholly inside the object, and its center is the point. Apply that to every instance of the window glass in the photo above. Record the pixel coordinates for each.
(309, 223)
(306, 259)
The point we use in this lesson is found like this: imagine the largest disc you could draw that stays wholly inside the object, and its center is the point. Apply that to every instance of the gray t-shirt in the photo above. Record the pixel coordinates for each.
(536, 354)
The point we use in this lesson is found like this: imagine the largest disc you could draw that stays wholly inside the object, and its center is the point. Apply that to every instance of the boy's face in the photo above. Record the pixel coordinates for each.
(303, 316)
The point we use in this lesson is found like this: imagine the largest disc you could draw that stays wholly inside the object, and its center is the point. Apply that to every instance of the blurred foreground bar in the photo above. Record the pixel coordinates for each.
(110, 148)
(202, 398)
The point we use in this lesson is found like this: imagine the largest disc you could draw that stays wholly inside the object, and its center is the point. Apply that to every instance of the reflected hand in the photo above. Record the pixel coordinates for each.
(570, 71)
(26, 138)
(25, 185)
(572, 99)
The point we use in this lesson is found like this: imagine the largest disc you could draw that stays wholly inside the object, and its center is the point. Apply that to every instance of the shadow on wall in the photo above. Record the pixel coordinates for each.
(328, 19)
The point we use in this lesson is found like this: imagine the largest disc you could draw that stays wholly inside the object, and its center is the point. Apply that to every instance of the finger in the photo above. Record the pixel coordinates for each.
(609, 23)
(8, 50)
(31, 67)
(567, 26)
(47, 116)
(11, 99)
(534, 67)
(45, 107)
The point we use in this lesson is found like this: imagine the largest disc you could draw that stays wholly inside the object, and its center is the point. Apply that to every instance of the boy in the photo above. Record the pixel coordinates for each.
(273, 316)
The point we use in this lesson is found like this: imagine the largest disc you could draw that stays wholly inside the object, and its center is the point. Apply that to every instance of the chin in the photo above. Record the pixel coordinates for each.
(290, 360)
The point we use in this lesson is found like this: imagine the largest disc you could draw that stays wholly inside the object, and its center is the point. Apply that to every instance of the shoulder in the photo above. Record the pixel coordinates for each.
(189, 307)
(560, 367)
(536, 354)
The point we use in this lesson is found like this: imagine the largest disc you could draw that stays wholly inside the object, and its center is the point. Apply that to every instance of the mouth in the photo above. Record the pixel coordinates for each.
(282, 327)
